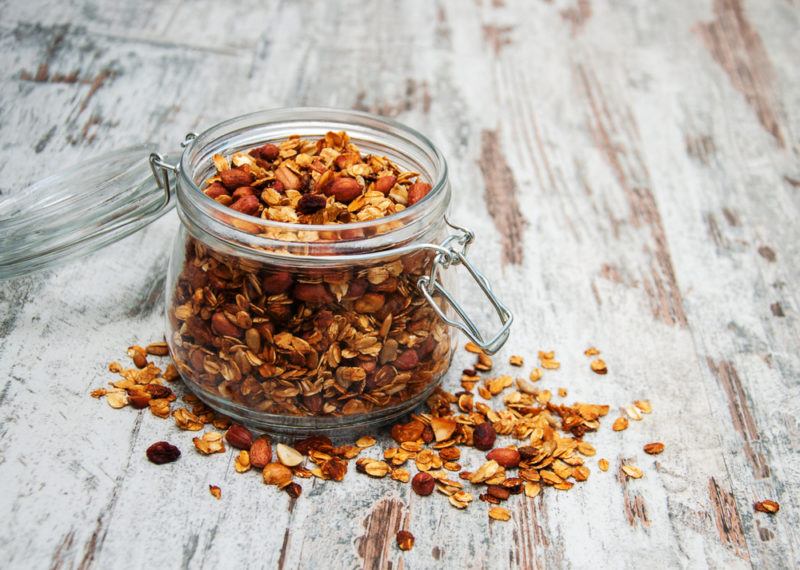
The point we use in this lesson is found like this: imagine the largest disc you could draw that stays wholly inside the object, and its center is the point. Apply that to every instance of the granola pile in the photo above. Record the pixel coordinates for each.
(546, 440)
(323, 181)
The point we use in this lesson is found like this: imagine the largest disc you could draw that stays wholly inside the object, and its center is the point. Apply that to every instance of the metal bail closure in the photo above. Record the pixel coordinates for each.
(429, 285)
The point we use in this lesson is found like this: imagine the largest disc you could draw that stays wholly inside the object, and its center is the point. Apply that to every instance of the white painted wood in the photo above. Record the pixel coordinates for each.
(653, 174)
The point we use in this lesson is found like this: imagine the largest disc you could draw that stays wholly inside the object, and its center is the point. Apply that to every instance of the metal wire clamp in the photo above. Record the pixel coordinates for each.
(453, 252)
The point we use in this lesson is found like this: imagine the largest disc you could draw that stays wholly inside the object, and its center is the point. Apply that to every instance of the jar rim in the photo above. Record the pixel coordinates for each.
(192, 198)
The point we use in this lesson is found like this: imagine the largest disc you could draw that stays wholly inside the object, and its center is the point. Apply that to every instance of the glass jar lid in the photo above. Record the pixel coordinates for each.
(81, 209)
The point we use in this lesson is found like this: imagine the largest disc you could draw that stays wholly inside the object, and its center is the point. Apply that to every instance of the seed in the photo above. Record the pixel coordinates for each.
(654, 448)
(602, 463)
(767, 506)
(215, 491)
(621, 423)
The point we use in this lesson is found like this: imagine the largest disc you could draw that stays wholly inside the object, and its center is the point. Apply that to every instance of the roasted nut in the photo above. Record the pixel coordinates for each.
(269, 151)
(417, 192)
(293, 490)
(239, 437)
(276, 474)
(385, 183)
(405, 540)
(222, 326)
(289, 456)
(139, 400)
(236, 177)
(162, 452)
(261, 452)
(246, 205)
(345, 190)
(278, 282)
(287, 178)
(215, 190)
(484, 436)
(407, 360)
(370, 303)
(423, 484)
(505, 456)
(312, 293)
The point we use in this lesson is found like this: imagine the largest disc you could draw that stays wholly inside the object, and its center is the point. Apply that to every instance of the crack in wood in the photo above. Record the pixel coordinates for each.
(726, 517)
(375, 546)
(616, 136)
(742, 416)
(737, 48)
(501, 197)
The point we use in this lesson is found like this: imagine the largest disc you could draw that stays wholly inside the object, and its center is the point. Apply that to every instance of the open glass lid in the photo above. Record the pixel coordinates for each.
(82, 209)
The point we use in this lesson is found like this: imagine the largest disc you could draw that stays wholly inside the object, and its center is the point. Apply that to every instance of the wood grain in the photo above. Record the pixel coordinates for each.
(631, 172)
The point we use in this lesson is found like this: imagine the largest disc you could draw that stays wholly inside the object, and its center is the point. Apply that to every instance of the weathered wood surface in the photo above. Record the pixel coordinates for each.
(631, 170)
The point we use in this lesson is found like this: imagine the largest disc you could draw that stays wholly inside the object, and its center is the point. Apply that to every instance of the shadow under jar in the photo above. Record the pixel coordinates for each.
(300, 328)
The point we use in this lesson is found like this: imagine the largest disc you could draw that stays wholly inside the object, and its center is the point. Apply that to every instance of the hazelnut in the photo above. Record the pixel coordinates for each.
(483, 436)
(239, 437)
(423, 484)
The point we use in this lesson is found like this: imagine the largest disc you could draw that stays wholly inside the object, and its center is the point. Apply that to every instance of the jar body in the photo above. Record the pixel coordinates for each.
(299, 348)
(296, 328)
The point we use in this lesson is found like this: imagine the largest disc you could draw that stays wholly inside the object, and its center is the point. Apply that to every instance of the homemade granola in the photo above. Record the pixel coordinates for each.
(322, 181)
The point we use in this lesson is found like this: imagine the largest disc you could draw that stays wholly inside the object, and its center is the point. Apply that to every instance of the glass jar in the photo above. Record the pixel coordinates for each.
(299, 328)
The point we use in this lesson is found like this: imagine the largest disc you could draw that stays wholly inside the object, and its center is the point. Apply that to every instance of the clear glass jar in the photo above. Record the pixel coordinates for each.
(290, 327)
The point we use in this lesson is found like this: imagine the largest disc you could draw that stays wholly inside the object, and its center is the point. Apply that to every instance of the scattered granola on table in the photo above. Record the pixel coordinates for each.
(549, 450)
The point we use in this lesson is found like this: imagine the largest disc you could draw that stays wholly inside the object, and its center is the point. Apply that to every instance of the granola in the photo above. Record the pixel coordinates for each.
(305, 181)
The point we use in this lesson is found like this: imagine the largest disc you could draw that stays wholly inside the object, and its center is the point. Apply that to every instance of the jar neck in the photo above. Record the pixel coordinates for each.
(257, 238)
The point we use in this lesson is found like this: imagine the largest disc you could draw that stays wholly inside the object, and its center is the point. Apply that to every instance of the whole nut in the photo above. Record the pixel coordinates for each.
(246, 205)
(236, 177)
(417, 192)
(278, 282)
(162, 452)
(222, 326)
(369, 303)
(483, 436)
(385, 183)
(269, 151)
(261, 452)
(287, 178)
(158, 391)
(344, 189)
(423, 484)
(505, 456)
(276, 474)
(239, 437)
(312, 293)
(407, 360)
(243, 191)
(216, 190)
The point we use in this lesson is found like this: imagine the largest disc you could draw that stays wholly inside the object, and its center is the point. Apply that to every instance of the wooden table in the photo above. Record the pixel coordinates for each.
(631, 170)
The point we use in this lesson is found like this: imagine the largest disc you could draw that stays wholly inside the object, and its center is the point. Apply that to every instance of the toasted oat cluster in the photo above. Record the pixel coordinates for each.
(323, 181)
